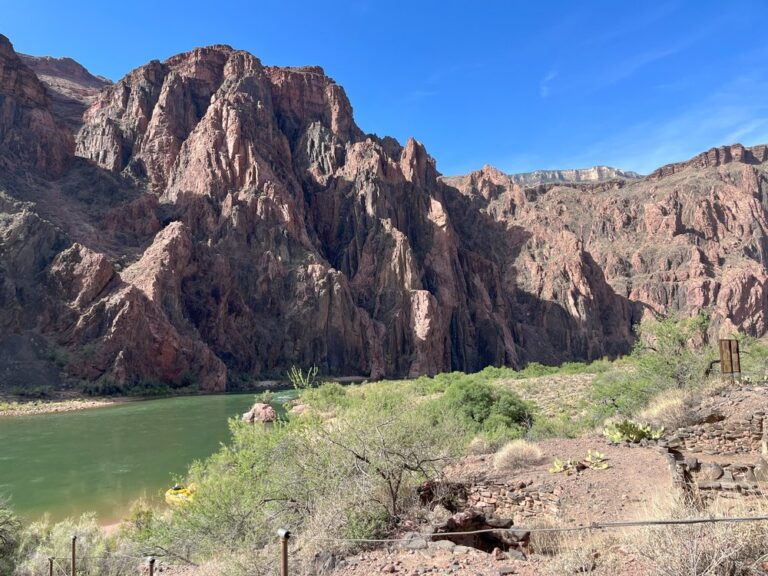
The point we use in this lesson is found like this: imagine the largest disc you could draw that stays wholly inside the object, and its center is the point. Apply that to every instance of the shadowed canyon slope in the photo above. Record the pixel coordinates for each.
(211, 218)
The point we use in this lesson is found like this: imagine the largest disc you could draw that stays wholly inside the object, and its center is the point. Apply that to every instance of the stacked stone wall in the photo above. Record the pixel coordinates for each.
(516, 500)
(732, 436)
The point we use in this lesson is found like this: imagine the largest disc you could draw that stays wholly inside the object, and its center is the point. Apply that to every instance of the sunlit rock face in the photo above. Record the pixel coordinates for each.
(218, 219)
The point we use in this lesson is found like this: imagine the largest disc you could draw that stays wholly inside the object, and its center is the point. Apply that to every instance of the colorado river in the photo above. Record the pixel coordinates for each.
(101, 460)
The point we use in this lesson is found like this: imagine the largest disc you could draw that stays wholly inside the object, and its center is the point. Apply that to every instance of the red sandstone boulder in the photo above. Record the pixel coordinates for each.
(260, 413)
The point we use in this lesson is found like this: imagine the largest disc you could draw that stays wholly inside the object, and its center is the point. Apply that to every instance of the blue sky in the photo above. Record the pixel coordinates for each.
(519, 85)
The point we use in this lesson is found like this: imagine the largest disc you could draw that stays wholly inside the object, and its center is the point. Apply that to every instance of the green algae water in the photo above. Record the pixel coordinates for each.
(103, 459)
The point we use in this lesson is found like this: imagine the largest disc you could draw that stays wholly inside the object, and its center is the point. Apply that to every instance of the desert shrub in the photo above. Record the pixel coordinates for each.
(559, 426)
(327, 396)
(577, 558)
(484, 407)
(500, 435)
(37, 392)
(622, 392)
(100, 554)
(516, 455)
(669, 352)
(479, 445)
(716, 549)
(10, 530)
(630, 431)
(353, 475)
(546, 543)
(668, 410)
(137, 525)
(303, 380)
(754, 358)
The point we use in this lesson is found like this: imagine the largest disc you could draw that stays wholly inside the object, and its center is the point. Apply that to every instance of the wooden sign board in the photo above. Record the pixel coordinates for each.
(730, 361)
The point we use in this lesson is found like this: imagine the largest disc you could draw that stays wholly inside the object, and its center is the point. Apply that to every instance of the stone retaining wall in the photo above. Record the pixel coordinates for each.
(517, 501)
(731, 436)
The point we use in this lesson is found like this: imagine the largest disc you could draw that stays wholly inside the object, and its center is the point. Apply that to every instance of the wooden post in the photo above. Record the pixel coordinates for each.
(74, 555)
(50, 566)
(730, 359)
(284, 535)
(736, 359)
(151, 566)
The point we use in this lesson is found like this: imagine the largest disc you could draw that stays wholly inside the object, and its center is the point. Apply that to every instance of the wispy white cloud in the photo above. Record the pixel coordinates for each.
(628, 67)
(544, 88)
(737, 112)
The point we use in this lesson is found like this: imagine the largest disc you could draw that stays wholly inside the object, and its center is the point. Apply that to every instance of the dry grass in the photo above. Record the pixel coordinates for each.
(547, 543)
(669, 409)
(517, 454)
(723, 549)
(479, 446)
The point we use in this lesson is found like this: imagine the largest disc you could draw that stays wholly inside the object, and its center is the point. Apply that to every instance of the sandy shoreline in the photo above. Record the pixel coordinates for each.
(16, 407)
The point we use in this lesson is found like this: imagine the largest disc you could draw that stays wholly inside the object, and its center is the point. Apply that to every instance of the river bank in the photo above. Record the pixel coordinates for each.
(102, 461)
(70, 401)
(15, 406)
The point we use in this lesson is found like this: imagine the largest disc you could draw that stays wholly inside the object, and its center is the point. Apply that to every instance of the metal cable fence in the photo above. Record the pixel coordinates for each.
(126, 565)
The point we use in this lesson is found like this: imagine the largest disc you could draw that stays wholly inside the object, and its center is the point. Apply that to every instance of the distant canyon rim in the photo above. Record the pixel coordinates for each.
(210, 219)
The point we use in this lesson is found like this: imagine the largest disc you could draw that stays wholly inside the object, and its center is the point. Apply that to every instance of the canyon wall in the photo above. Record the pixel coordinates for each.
(210, 219)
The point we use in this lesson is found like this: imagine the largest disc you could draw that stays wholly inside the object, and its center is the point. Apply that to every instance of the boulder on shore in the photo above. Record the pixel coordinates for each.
(299, 409)
(260, 412)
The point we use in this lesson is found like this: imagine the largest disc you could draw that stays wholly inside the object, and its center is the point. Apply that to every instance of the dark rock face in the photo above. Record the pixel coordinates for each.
(223, 218)
(29, 135)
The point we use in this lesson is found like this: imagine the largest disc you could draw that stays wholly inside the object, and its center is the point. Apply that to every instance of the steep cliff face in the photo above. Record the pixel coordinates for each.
(690, 236)
(223, 218)
(30, 137)
(70, 86)
(594, 174)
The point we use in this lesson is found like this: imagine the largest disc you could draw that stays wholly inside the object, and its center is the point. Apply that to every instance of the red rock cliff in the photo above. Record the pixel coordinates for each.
(224, 220)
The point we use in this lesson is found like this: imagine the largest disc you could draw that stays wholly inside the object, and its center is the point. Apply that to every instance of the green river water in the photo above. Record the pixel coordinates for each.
(103, 459)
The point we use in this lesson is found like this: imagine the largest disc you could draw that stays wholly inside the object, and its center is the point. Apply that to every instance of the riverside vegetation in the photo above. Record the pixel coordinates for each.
(349, 467)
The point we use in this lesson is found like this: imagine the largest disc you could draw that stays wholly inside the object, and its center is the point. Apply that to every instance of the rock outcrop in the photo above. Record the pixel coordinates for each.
(691, 236)
(260, 412)
(30, 137)
(593, 174)
(70, 86)
(223, 219)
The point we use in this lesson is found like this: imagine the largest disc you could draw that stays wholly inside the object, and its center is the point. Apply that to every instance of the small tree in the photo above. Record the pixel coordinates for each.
(393, 452)
(671, 352)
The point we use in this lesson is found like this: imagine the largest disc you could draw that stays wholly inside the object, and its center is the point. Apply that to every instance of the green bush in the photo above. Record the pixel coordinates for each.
(100, 554)
(486, 408)
(622, 392)
(10, 531)
(352, 475)
(328, 396)
(667, 355)
(559, 426)
(629, 431)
